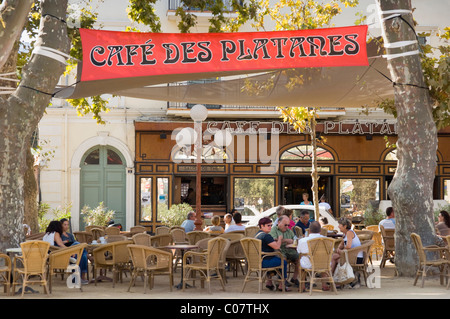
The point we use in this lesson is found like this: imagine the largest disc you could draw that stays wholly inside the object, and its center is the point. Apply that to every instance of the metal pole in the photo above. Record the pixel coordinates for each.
(198, 192)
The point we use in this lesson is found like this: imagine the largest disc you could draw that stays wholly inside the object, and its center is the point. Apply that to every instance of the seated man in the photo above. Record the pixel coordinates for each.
(303, 221)
(389, 221)
(282, 228)
(188, 224)
(302, 248)
(237, 217)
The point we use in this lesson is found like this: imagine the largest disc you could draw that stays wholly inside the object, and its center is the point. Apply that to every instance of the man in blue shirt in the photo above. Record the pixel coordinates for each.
(188, 224)
(389, 221)
(303, 221)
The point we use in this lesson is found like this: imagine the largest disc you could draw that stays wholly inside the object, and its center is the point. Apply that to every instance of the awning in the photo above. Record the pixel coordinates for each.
(351, 86)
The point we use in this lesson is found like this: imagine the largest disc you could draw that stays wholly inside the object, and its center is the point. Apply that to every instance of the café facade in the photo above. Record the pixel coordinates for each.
(269, 163)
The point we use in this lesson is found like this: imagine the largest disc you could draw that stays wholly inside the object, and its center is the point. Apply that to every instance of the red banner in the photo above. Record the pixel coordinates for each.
(112, 54)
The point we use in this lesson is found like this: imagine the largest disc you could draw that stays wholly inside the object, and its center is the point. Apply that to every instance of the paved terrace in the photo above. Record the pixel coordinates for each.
(390, 287)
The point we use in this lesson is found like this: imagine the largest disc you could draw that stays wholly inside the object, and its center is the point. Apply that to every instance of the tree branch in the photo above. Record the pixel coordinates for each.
(13, 16)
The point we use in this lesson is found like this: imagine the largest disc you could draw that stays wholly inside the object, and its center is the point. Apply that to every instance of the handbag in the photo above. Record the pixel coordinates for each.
(343, 274)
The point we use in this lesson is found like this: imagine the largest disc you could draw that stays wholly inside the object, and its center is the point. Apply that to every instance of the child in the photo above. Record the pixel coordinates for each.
(215, 228)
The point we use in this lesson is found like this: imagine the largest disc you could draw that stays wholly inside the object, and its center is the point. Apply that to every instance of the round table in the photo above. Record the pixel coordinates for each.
(183, 248)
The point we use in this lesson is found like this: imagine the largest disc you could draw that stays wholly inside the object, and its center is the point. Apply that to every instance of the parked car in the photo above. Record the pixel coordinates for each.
(271, 213)
(247, 212)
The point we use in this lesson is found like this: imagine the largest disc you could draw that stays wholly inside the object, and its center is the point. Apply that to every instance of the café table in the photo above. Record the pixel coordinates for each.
(183, 248)
(90, 248)
(334, 235)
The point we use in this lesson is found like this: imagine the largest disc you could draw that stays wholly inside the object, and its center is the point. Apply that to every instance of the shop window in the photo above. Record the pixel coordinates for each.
(356, 194)
(213, 190)
(447, 190)
(305, 152)
(163, 194)
(255, 192)
(146, 199)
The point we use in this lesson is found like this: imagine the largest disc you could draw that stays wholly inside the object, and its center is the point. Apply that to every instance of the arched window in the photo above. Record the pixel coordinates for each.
(391, 156)
(304, 153)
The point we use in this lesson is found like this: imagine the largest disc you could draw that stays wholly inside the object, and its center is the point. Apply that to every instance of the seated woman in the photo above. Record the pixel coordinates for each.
(350, 240)
(443, 225)
(289, 213)
(69, 240)
(215, 228)
(53, 234)
(269, 245)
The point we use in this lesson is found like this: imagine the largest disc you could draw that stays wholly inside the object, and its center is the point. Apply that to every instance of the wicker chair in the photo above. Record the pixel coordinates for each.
(324, 232)
(320, 252)
(114, 238)
(254, 255)
(90, 227)
(148, 260)
(251, 231)
(37, 236)
(203, 246)
(83, 236)
(34, 261)
(137, 229)
(175, 227)
(353, 255)
(112, 231)
(97, 233)
(142, 239)
(447, 238)
(377, 246)
(364, 235)
(235, 256)
(425, 264)
(161, 230)
(209, 265)
(232, 236)
(194, 236)
(179, 236)
(389, 245)
(298, 232)
(59, 260)
(5, 273)
(162, 240)
(113, 256)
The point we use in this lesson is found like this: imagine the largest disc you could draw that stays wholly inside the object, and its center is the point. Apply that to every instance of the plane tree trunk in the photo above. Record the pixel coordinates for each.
(411, 189)
(21, 112)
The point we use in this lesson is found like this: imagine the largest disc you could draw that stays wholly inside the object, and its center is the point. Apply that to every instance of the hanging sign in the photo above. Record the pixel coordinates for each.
(112, 54)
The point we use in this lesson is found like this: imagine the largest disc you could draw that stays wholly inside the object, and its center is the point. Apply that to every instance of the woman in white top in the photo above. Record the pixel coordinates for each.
(53, 234)
(350, 240)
